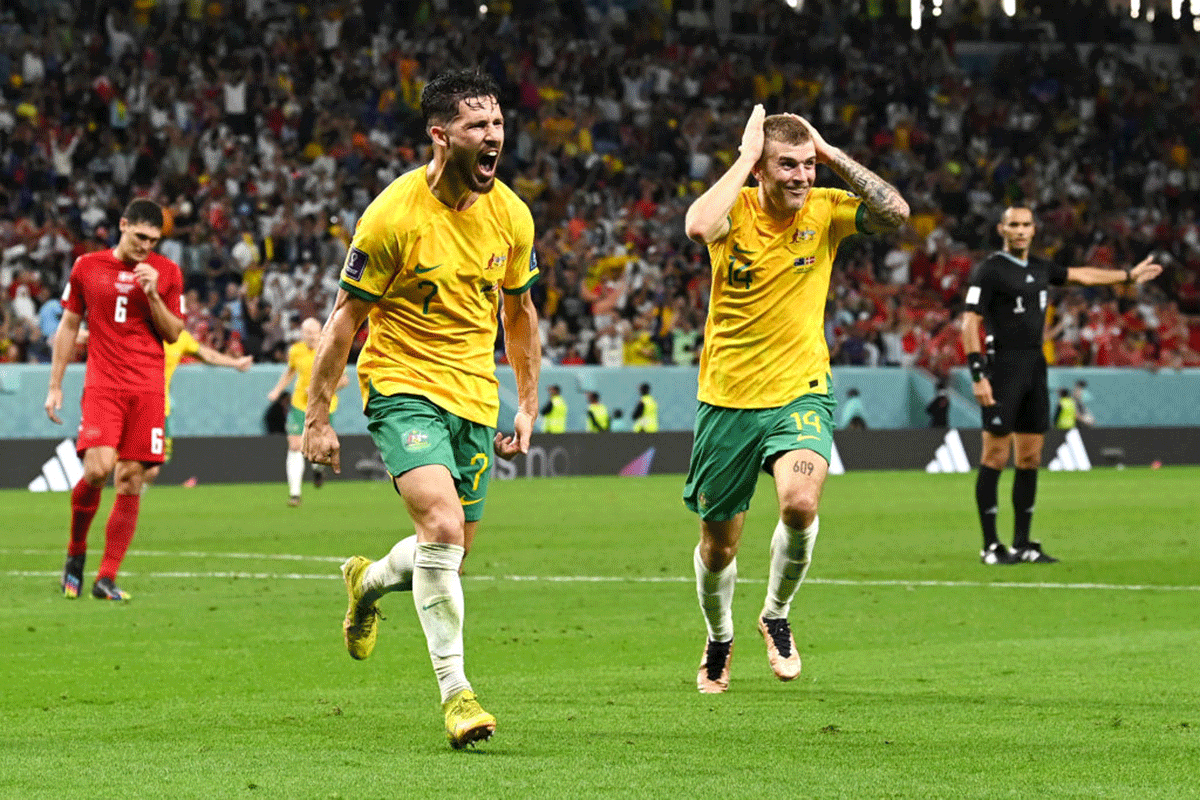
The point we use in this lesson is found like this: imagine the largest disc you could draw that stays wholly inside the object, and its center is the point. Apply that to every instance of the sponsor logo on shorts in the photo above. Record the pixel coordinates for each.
(356, 263)
(416, 440)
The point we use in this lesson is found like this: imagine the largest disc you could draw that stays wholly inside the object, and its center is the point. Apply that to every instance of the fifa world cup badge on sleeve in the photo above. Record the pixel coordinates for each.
(356, 263)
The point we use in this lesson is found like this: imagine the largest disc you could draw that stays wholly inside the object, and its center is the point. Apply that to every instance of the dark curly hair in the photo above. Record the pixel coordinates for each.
(441, 96)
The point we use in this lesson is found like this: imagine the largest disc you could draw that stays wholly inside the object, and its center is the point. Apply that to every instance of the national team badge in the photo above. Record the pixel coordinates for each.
(803, 236)
(416, 440)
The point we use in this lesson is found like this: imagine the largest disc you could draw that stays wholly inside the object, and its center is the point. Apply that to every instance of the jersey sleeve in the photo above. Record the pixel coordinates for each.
(371, 261)
(294, 357)
(522, 269)
(171, 289)
(847, 213)
(72, 296)
(1057, 274)
(979, 288)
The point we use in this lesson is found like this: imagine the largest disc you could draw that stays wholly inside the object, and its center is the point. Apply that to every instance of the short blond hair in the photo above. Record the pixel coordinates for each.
(785, 128)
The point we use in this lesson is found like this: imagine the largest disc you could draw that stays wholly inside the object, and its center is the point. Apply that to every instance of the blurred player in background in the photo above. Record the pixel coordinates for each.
(765, 401)
(299, 368)
(1007, 295)
(175, 352)
(431, 257)
(132, 299)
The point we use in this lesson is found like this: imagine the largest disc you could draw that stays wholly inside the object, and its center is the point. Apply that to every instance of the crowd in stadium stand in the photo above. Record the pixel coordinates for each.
(266, 128)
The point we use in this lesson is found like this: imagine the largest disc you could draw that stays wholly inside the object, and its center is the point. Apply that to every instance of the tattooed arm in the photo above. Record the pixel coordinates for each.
(886, 209)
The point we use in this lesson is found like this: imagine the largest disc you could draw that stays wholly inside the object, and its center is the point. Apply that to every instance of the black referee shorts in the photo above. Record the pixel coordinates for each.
(1022, 394)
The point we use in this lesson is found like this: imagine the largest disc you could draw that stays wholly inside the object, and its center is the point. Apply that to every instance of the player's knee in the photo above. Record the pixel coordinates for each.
(1028, 460)
(96, 472)
(799, 508)
(715, 555)
(443, 524)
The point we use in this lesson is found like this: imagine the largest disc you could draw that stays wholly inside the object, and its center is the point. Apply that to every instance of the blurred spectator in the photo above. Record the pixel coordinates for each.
(264, 156)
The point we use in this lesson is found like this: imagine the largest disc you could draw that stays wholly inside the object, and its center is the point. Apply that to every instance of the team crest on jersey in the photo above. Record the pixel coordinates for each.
(803, 236)
(497, 261)
(702, 500)
(416, 440)
(356, 264)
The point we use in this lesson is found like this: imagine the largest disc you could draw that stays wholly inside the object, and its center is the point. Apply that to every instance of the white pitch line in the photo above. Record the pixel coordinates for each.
(905, 584)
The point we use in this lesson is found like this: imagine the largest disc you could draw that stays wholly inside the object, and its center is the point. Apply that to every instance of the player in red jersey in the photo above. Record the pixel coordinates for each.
(132, 299)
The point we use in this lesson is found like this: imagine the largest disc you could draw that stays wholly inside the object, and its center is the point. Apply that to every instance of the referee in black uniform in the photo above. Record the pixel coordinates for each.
(1007, 295)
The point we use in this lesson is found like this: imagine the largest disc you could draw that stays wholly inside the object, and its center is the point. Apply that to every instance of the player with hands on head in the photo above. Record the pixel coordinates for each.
(765, 400)
(436, 258)
(1007, 296)
(132, 300)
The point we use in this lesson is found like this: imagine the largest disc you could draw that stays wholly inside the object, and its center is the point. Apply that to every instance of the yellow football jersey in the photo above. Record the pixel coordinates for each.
(300, 360)
(764, 342)
(434, 275)
(173, 353)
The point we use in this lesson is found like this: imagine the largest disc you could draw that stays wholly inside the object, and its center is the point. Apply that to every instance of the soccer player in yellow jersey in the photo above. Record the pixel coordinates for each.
(299, 367)
(765, 399)
(173, 353)
(436, 256)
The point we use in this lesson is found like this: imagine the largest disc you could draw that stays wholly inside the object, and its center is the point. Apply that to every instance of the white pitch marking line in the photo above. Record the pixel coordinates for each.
(616, 579)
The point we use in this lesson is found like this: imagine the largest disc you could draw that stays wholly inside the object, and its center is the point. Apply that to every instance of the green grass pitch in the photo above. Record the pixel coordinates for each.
(926, 674)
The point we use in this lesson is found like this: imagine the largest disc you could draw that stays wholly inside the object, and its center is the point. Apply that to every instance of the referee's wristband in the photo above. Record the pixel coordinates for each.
(975, 363)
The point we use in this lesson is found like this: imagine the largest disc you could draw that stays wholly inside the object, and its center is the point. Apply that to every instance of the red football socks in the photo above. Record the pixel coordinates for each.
(119, 533)
(85, 499)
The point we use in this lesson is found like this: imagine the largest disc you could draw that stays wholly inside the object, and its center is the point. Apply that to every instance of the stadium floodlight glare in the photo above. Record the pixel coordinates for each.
(1135, 8)
(1177, 9)
(914, 13)
(1009, 6)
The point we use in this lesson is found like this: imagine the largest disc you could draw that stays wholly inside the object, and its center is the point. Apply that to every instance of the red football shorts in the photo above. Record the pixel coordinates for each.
(131, 422)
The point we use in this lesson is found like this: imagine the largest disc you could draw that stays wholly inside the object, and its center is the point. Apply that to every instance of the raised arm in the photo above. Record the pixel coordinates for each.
(708, 216)
(886, 209)
(524, 349)
(218, 359)
(1144, 270)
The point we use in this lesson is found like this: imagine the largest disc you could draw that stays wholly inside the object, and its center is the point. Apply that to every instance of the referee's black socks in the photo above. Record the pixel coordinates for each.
(985, 501)
(1024, 496)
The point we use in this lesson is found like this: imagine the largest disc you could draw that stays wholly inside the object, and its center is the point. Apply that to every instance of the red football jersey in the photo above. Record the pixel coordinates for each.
(124, 349)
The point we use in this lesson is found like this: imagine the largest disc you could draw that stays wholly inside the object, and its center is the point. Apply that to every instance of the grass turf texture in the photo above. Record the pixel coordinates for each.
(926, 674)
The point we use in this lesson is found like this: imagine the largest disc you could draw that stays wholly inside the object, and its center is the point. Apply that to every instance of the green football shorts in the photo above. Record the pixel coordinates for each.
(732, 444)
(295, 421)
(410, 432)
